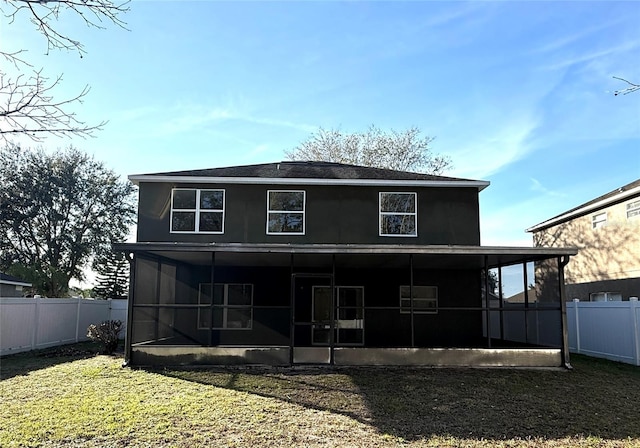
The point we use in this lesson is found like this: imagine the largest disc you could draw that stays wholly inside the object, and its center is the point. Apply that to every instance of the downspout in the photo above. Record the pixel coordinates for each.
(562, 262)
(131, 258)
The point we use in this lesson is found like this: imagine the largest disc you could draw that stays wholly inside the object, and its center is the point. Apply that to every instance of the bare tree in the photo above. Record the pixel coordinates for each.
(27, 103)
(404, 151)
(632, 87)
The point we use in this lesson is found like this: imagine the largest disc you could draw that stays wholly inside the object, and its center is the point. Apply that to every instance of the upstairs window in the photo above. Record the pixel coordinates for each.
(285, 212)
(633, 209)
(599, 220)
(425, 299)
(197, 211)
(398, 215)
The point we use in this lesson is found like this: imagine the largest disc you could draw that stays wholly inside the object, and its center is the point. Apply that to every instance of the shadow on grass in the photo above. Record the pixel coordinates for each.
(598, 398)
(25, 362)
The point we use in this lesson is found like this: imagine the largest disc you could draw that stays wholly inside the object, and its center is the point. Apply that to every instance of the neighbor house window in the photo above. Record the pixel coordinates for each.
(633, 209)
(197, 211)
(232, 306)
(425, 299)
(599, 220)
(398, 215)
(285, 212)
(605, 297)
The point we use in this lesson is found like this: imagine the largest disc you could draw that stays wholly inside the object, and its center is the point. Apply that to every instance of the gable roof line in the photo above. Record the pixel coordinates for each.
(137, 178)
(619, 195)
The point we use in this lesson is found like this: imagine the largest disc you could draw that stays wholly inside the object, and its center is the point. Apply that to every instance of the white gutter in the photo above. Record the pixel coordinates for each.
(9, 282)
(584, 210)
(137, 178)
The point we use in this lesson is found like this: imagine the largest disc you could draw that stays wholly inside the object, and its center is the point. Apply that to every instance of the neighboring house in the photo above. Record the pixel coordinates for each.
(314, 262)
(606, 230)
(12, 286)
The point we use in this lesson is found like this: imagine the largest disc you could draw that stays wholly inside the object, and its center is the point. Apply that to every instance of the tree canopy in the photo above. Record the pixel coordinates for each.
(404, 150)
(113, 275)
(56, 212)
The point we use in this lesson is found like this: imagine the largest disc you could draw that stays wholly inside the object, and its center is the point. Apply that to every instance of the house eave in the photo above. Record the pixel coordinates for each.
(581, 211)
(138, 178)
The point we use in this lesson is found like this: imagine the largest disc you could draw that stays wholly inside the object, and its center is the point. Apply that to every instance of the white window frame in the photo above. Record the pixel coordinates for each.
(197, 211)
(303, 212)
(406, 309)
(633, 209)
(224, 305)
(599, 220)
(414, 214)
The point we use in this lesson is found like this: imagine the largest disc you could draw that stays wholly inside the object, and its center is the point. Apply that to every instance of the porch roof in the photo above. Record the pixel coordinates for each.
(427, 256)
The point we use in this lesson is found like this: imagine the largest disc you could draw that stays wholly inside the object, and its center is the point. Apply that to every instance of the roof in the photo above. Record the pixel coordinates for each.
(11, 280)
(618, 195)
(301, 172)
(433, 256)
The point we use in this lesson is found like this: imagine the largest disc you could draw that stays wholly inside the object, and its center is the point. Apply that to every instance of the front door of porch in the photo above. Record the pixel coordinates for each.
(324, 316)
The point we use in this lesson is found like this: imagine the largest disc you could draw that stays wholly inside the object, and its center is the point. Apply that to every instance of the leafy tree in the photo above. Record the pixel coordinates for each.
(113, 275)
(56, 211)
(27, 104)
(404, 151)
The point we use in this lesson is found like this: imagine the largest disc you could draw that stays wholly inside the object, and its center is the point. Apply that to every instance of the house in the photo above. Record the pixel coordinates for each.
(12, 286)
(607, 232)
(314, 262)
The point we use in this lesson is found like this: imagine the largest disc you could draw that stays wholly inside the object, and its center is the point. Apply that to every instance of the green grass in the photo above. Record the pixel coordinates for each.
(72, 398)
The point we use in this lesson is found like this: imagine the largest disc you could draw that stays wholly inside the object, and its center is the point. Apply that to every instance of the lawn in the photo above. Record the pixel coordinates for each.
(72, 397)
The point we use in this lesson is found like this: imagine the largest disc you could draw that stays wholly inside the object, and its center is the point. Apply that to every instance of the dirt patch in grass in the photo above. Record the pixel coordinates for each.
(92, 401)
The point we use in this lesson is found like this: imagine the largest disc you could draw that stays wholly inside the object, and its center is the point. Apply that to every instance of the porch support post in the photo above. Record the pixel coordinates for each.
(500, 296)
(131, 258)
(486, 299)
(292, 310)
(413, 336)
(526, 302)
(562, 262)
(213, 282)
(156, 333)
(332, 314)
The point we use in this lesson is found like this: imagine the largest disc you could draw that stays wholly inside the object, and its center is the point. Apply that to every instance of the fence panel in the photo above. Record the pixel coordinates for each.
(28, 323)
(605, 329)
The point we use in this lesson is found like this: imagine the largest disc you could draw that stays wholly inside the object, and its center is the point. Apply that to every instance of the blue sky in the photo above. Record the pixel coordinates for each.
(516, 93)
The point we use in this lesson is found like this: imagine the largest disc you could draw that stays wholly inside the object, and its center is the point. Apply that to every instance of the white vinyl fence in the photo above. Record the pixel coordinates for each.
(28, 324)
(608, 330)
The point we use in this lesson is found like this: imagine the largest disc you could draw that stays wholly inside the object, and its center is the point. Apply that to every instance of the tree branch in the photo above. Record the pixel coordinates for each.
(27, 107)
(632, 87)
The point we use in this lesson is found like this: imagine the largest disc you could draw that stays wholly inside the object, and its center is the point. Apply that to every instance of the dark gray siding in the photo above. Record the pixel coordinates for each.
(334, 214)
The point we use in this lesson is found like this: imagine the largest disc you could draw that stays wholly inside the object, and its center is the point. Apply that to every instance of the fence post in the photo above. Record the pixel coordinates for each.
(78, 318)
(36, 317)
(576, 303)
(633, 305)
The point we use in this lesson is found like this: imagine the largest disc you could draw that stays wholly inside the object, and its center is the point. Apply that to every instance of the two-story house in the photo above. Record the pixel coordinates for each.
(314, 262)
(606, 231)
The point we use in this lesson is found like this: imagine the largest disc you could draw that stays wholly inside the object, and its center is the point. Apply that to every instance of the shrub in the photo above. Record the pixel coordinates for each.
(106, 333)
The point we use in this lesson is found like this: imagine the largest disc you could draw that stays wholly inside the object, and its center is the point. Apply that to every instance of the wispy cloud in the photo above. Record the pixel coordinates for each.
(495, 152)
(537, 186)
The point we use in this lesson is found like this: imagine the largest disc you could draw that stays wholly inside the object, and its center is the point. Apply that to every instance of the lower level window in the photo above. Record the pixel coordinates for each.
(231, 309)
(425, 299)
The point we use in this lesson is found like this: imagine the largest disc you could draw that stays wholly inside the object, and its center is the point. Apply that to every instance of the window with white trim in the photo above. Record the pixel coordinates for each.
(197, 211)
(633, 209)
(425, 299)
(599, 220)
(398, 214)
(285, 212)
(232, 306)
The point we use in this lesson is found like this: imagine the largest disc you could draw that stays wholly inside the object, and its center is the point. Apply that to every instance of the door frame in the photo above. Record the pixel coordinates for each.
(312, 354)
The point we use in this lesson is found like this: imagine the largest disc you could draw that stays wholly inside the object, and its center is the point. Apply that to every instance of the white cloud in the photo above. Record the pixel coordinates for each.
(490, 154)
